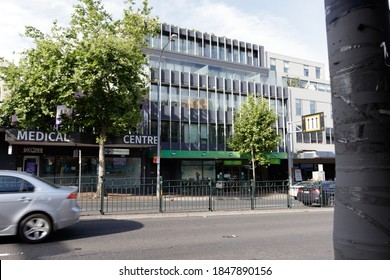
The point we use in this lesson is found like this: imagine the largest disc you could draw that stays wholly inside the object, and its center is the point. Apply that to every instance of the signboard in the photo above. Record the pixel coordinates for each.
(14, 135)
(115, 151)
(313, 123)
(298, 175)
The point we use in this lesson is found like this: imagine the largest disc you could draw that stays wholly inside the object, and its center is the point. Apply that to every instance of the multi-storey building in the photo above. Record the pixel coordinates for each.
(309, 93)
(204, 80)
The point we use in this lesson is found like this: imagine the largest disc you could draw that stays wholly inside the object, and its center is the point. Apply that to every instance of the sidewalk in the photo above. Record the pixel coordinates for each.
(132, 216)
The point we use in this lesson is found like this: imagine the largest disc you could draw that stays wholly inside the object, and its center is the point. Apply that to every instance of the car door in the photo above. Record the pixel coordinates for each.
(16, 196)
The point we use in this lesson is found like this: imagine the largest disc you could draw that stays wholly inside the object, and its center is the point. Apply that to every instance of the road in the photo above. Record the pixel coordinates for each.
(230, 235)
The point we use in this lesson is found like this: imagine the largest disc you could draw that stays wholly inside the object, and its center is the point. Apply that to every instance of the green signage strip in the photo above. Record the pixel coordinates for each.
(232, 162)
(200, 154)
(274, 157)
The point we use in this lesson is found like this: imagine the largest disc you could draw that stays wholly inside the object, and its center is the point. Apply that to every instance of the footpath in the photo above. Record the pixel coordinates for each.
(132, 216)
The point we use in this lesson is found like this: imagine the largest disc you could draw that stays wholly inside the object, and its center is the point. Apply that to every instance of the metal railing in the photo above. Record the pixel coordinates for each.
(135, 196)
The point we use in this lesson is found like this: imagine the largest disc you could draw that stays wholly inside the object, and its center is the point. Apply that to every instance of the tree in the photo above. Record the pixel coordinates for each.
(254, 131)
(95, 66)
(358, 38)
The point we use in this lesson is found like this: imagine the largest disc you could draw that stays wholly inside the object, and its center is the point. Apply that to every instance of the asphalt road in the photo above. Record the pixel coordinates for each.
(230, 235)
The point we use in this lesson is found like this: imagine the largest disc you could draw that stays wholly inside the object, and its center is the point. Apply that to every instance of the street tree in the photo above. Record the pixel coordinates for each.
(254, 131)
(95, 66)
(359, 65)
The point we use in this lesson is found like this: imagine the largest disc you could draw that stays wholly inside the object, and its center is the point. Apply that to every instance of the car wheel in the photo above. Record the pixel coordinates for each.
(331, 200)
(35, 228)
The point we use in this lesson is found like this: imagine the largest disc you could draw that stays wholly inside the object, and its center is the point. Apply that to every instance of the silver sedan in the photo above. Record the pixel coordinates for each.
(33, 208)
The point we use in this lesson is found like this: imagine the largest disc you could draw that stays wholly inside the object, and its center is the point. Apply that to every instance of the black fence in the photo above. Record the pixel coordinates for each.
(143, 195)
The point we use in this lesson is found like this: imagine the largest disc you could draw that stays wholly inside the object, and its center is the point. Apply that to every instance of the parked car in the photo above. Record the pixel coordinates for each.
(33, 208)
(293, 190)
(318, 193)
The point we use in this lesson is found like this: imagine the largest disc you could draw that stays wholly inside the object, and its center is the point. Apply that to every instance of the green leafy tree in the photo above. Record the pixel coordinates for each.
(95, 66)
(254, 131)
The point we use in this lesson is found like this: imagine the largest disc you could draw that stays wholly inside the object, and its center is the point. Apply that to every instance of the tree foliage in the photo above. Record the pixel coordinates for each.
(254, 131)
(96, 66)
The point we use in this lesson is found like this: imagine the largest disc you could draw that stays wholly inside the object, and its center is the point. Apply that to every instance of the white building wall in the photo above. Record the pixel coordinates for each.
(309, 88)
(323, 104)
(296, 67)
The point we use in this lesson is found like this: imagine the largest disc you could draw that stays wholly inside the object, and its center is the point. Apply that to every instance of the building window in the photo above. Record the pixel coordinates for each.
(203, 134)
(194, 134)
(255, 58)
(191, 46)
(286, 66)
(198, 46)
(306, 70)
(164, 95)
(207, 49)
(175, 132)
(298, 107)
(318, 72)
(164, 131)
(299, 134)
(222, 51)
(185, 133)
(174, 96)
(312, 107)
(214, 51)
(229, 53)
(273, 64)
(306, 137)
(329, 136)
(183, 44)
(235, 54)
(249, 59)
(221, 134)
(242, 56)
(212, 134)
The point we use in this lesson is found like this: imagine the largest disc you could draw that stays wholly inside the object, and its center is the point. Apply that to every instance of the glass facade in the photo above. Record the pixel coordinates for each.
(204, 80)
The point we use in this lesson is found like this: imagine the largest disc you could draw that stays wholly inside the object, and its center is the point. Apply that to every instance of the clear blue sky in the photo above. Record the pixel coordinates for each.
(290, 27)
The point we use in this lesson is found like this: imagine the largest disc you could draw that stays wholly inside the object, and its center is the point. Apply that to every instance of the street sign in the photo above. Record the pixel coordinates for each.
(313, 123)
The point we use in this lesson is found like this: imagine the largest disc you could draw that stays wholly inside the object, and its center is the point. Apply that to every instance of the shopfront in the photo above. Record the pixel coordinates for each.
(217, 165)
(56, 154)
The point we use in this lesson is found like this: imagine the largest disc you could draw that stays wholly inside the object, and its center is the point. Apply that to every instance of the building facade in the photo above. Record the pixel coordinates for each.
(309, 93)
(203, 80)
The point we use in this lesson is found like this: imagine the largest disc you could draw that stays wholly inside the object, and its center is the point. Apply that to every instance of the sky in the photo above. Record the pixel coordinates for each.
(290, 27)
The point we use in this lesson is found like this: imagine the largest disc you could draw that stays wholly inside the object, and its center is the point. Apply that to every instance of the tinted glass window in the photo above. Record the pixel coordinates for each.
(9, 184)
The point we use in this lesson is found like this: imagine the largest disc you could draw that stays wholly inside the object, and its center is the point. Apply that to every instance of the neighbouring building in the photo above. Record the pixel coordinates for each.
(309, 94)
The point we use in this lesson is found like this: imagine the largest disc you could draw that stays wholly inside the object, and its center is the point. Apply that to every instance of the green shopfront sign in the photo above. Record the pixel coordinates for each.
(171, 154)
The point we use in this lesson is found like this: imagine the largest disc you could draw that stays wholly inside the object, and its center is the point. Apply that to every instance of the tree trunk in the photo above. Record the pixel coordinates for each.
(102, 166)
(358, 34)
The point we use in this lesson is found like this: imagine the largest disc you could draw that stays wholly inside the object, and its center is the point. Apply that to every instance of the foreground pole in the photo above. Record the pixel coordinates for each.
(359, 64)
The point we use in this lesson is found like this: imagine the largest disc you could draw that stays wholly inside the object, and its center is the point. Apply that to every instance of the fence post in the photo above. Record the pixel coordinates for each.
(211, 195)
(288, 193)
(102, 197)
(252, 194)
(161, 195)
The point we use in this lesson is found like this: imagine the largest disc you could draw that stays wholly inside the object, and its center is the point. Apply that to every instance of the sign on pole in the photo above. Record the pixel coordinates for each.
(313, 123)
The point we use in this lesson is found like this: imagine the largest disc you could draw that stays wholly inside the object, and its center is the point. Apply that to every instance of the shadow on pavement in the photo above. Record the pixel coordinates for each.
(85, 229)
(91, 228)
